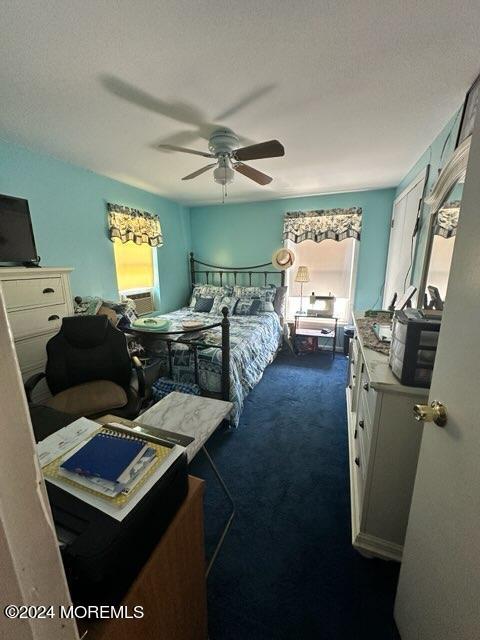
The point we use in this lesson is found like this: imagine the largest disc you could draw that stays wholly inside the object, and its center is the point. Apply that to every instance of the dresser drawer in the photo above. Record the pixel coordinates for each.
(34, 292)
(34, 321)
(32, 352)
(358, 470)
(369, 395)
(362, 428)
(365, 421)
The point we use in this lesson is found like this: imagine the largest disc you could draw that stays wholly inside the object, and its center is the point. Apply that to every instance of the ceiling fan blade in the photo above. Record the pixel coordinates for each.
(253, 174)
(269, 149)
(173, 147)
(199, 172)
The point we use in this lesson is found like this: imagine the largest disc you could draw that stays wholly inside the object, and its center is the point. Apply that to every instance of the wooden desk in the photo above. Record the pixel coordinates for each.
(171, 585)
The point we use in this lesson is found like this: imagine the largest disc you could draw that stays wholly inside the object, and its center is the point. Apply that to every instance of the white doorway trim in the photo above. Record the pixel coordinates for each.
(30, 563)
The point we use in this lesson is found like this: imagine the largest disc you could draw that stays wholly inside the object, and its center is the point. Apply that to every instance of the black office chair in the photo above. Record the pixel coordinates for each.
(90, 372)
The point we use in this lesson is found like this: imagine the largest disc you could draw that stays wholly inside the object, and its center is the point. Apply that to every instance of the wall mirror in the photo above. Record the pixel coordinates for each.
(445, 205)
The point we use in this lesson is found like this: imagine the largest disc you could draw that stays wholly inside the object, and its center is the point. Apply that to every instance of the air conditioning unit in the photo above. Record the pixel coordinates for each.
(143, 302)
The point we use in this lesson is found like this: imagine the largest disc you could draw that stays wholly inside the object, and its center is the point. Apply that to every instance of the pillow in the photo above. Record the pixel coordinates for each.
(217, 301)
(208, 291)
(279, 300)
(266, 295)
(229, 302)
(203, 305)
(247, 307)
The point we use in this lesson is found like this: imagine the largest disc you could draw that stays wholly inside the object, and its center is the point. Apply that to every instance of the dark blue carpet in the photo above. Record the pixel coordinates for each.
(287, 569)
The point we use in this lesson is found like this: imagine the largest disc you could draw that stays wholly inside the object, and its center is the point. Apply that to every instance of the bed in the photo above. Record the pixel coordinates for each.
(228, 356)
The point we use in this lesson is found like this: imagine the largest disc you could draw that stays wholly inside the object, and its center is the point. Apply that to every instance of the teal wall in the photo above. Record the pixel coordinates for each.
(437, 155)
(247, 234)
(68, 209)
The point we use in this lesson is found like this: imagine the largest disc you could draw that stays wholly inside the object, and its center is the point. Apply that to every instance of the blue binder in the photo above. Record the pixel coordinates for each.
(105, 456)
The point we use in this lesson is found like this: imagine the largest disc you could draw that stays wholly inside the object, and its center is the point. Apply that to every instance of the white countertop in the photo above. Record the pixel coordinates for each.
(379, 372)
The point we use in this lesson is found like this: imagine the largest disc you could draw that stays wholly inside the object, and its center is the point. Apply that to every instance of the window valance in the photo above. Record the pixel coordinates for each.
(323, 224)
(447, 219)
(134, 225)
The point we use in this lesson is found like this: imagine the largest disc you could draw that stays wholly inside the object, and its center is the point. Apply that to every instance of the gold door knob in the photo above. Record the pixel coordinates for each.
(435, 412)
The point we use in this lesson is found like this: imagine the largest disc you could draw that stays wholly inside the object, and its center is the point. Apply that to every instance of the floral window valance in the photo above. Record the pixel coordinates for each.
(447, 220)
(134, 225)
(323, 224)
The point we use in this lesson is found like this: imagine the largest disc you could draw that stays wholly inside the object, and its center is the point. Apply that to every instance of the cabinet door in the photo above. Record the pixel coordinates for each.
(401, 249)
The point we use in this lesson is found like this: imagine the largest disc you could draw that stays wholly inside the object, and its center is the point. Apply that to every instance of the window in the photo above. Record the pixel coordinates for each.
(331, 267)
(134, 265)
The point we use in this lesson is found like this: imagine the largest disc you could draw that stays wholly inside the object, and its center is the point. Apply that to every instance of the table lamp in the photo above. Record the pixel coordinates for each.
(302, 276)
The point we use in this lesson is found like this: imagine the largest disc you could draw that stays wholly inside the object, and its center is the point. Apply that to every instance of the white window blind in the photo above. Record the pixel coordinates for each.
(330, 265)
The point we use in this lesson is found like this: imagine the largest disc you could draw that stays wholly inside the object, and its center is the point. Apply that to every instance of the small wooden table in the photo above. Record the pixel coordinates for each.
(170, 587)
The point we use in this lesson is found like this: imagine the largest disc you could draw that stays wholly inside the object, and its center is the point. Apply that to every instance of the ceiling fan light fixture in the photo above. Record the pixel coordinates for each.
(224, 172)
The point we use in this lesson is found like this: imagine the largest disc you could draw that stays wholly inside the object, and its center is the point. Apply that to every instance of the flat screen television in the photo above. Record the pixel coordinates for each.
(17, 244)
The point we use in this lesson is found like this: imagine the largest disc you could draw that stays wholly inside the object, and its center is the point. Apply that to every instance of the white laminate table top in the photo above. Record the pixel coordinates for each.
(191, 415)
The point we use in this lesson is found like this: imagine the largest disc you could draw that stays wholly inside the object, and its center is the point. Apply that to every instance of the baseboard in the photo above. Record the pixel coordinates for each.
(371, 545)
(364, 542)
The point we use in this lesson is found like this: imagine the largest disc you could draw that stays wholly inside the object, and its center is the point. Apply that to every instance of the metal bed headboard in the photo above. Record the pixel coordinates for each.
(217, 275)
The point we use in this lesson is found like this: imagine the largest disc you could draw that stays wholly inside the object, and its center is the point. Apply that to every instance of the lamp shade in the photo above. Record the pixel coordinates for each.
(302, 275)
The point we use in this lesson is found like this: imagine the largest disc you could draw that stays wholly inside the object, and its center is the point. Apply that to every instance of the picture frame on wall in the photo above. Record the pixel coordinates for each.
(470, 110)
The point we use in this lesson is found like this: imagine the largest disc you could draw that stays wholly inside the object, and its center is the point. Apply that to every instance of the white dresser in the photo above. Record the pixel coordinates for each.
(36, 299)
(384, 441)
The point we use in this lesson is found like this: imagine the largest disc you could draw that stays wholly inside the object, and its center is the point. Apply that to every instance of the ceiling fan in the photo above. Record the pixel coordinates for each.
(223, 145)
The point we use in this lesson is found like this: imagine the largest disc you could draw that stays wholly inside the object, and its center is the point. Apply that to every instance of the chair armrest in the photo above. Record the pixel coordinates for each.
(31, 383)
(137, 365)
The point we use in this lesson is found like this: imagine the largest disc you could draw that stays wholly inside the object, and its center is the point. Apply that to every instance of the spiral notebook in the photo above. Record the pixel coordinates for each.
(107, 455)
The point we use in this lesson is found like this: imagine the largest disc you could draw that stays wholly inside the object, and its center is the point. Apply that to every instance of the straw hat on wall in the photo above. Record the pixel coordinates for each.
(283, 258)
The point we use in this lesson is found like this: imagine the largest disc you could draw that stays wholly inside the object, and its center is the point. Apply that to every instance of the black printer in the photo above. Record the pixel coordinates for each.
(101, 555)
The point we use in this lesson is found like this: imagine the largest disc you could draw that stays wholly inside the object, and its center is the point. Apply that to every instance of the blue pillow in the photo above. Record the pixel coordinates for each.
(247, 307)
(203, 305)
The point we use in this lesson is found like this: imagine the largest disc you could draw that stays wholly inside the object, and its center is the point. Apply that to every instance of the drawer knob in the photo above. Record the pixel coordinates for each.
(355, 434)
(361, 424)
(357, 461)
(48, 290)
(353, 376)
(349, 386)
(54, 317)
(366, 386)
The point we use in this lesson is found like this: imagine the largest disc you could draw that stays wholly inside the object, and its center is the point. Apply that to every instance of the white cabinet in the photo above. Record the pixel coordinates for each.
(36, 299)
(384, 441)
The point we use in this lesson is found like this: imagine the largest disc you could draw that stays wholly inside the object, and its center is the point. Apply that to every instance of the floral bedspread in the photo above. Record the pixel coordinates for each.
(254, 341)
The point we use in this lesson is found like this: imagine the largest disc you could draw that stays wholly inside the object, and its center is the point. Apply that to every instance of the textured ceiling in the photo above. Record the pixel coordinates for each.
(355, 90)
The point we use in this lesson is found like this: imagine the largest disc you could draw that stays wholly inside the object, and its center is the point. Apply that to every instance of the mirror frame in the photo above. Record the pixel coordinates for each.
(453, 171)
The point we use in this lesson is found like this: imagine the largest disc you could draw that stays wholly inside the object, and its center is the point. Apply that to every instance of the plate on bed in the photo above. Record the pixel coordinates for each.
(157, 323)
(191, 325)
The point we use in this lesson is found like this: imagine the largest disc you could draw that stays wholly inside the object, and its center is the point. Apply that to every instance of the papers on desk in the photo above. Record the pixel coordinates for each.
(64, 440)
(99, 492)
